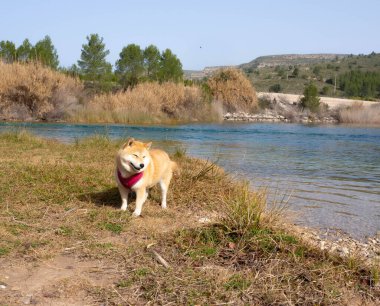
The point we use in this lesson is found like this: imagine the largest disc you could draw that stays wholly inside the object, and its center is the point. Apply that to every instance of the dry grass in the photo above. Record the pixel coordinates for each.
(33, 91)
(148, 103)
(65, 240)
(360, 114)
(233, 90)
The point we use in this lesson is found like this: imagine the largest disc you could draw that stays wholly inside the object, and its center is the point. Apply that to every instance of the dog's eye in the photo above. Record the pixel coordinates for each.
(144, 156)
(135, 155)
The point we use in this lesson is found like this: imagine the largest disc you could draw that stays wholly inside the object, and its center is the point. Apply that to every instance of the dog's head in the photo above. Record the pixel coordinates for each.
(134, 156)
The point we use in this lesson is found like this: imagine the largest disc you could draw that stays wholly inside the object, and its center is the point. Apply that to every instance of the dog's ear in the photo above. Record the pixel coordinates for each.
(129, 142)
(148, 145)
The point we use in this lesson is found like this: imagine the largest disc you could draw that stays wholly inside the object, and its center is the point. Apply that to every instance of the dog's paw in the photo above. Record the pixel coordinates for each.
(136, 214)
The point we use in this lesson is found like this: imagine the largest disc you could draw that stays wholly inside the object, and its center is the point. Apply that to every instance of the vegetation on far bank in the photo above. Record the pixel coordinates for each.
(147, 86)
(30, 91)
(353, 76)
(62, 205)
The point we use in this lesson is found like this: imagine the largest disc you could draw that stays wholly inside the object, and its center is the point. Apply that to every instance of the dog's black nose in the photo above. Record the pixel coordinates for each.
(141, 165)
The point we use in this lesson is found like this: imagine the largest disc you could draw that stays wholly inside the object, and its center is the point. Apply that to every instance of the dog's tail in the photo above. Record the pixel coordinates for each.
(175, 167)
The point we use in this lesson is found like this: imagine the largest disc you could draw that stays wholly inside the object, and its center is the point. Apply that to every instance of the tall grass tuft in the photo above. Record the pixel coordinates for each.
(243, 209)
(360, 114)
(31, 91)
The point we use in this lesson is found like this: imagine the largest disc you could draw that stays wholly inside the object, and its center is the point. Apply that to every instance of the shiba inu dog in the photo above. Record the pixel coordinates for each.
(139, 168)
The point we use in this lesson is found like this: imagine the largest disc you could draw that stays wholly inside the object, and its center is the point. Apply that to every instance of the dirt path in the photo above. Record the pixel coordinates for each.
(331, 102)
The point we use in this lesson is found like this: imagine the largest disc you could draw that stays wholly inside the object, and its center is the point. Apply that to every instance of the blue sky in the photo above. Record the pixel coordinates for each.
(200, 33)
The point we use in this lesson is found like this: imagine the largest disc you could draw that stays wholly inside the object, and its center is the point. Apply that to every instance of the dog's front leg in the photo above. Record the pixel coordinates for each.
(124, 197)
(140, 199)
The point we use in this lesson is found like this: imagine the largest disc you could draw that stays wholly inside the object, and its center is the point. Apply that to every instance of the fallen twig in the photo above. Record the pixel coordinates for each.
(158, 257)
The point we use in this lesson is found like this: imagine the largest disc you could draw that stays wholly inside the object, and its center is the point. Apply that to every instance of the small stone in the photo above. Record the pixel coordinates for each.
(27, 299)
(3, 287)
(344, 251)
(204, 220)
(323, 245)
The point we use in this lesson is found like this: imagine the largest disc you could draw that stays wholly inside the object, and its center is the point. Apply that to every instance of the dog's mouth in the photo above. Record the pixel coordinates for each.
(136, 168)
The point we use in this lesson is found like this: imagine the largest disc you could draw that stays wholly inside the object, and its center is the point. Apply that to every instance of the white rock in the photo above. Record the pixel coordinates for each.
(3, 287)
(27, 299)
(344, 251)
(323, 245)
(204, 220)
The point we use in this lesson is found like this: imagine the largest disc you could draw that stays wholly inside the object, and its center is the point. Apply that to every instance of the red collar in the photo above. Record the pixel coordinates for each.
(129, 182)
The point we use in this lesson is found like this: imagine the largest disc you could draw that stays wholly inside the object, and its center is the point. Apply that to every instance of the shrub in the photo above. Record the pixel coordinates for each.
(310, 100)
(233, 90)
(33, 91)
(325, 90)
(275, 88)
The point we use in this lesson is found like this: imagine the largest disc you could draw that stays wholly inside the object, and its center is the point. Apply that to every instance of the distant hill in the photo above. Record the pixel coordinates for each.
(291, 59)
(269, 61)
(290, 73)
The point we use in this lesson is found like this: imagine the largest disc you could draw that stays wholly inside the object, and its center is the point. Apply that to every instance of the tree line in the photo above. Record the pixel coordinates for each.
(43, 51)
(360, 84)
(134, 65)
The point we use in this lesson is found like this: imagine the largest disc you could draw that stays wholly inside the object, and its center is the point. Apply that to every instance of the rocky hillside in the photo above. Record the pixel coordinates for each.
(269, 61)
(291, 59)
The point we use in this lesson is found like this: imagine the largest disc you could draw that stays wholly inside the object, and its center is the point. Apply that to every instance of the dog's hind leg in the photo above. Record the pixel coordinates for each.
(164, 184)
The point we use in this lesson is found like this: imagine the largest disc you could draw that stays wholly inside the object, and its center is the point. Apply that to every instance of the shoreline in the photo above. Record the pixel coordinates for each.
(343, 245)
(270, 117)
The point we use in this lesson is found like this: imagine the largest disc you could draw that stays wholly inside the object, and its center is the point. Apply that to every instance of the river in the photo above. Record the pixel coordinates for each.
(331, 172)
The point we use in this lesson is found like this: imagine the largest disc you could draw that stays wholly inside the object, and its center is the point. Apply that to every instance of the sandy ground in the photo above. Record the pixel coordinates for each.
(331, 102)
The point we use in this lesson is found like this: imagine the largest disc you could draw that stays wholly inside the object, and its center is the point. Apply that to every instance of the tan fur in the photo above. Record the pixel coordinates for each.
(158, 169)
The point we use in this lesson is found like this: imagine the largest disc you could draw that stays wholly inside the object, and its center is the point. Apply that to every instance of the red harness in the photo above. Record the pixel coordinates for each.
(129, 182)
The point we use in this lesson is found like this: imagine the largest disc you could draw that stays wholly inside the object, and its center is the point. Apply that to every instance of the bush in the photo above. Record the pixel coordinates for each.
(31, 91)
(275, 88)
(310, 100)
(233, 90)
(325, 90)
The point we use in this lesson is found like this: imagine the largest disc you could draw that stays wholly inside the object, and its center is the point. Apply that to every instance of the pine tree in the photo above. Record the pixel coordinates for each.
(152, 62)
(25, 51)
(92, 63)
(310, 99)
(45, 53)
(170, 67)
(8, 53)
(130, 66)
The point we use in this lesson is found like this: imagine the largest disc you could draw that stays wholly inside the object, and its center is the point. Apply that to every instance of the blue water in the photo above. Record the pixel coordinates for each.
(331, 172)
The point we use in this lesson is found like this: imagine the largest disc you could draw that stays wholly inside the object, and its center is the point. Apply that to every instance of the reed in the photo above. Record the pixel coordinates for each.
(360, 114)
(148, 103)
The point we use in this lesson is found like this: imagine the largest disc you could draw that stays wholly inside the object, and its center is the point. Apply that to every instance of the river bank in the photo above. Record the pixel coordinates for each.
(278, 107)
(64, 238)
(313, 164)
